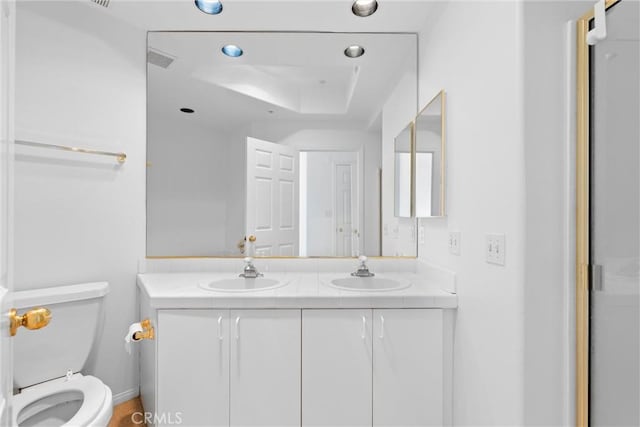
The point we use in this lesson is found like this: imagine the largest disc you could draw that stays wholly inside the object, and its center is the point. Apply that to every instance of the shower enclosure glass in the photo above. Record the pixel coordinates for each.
(615, 221)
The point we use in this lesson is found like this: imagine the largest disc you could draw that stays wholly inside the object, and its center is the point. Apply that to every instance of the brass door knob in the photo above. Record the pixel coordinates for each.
(252, 238)
(35, 318)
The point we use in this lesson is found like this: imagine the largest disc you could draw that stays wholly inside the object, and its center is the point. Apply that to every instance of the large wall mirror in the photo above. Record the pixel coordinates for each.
(276, 144)
(430, 165)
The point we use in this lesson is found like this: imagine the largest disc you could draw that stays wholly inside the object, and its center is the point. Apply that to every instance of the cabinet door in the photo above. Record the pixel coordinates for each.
(265, 368)
(407, 368)
(336, 368)
(193, 368)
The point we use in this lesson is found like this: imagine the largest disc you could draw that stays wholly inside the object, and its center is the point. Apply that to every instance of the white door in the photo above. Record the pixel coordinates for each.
(407, 368)
(7, 32)
(272, 198)
(336, 368)
(265, 368)
(345, 210)
(193, 367)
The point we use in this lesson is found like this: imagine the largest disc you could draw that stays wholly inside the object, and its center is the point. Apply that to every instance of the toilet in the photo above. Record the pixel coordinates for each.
(51, 390)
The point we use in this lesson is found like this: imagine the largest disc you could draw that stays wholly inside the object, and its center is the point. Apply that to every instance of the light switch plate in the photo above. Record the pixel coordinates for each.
(495, 248)
(454, 242)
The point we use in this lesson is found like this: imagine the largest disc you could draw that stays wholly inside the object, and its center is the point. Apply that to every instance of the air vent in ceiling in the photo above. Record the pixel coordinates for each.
(104, 3)
(159, 59)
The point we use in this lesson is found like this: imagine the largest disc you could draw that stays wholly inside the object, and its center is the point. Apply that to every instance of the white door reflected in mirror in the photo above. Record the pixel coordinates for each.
(272, 194)
(331, 203)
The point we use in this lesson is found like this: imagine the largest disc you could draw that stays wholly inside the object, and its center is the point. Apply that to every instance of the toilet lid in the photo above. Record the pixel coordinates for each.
(93, 393)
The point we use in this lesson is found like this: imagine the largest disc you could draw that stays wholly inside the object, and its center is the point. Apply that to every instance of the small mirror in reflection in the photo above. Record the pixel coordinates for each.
(402, 172)
(429, 159)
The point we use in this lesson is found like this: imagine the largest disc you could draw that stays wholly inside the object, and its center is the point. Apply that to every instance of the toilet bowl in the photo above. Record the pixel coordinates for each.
(76, 401)
(47, 362)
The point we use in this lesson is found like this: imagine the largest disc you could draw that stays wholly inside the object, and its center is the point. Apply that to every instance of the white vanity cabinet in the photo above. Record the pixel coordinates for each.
(336, 368)
(265, 368)
(192, 367)
(228, 367)
(408, 367)
(297, 359)
(381, 367)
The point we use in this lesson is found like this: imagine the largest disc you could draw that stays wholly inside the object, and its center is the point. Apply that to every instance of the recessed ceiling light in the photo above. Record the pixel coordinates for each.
(212, 7)
(187, 110)
(364, 7)
(232, 50)
(354, 51)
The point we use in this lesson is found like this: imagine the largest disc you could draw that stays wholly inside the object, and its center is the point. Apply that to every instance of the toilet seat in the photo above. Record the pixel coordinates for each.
(96, 399)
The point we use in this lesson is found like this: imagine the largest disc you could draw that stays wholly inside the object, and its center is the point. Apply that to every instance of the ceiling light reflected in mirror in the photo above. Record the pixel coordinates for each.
(364, 8)
(211, 7)
(354, 51)
(232, 50)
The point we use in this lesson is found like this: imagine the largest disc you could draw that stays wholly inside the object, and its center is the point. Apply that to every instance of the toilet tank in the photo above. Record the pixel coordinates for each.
(66, 343)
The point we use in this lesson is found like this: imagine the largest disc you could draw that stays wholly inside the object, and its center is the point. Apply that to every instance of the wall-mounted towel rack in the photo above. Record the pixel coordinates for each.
(120, 157)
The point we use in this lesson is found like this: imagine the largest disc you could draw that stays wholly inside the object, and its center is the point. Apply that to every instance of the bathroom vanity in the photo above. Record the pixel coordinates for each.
(306, 352)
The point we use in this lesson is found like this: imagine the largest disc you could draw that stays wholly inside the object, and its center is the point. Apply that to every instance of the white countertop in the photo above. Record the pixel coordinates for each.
(304, 290)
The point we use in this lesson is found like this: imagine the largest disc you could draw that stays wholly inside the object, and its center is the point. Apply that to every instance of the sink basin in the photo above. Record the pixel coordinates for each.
(369, 284)
(240, 284)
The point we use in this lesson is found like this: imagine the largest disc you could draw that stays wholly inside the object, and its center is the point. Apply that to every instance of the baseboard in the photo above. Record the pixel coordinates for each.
(125, 395)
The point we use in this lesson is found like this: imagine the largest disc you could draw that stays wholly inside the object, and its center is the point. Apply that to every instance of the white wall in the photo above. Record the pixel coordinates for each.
(473, 50)
(191, 188)
(236, 183)
(7, 64)
(80, 79)
(549, 153)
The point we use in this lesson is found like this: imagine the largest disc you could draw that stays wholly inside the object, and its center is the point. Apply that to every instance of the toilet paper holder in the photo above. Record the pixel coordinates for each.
(147, 331)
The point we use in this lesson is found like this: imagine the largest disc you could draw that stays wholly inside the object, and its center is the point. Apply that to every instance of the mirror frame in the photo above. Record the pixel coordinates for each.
(443, 157)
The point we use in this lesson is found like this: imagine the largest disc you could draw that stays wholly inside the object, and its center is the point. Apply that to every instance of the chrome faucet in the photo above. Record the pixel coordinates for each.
(363, 270)
(250, 271)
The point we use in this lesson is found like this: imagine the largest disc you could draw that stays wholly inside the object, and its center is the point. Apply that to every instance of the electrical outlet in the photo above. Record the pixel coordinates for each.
(454, 242)
(495, 249)
(395, 231)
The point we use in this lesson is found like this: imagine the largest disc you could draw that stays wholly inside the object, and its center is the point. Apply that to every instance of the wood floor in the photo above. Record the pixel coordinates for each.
(123, 414)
